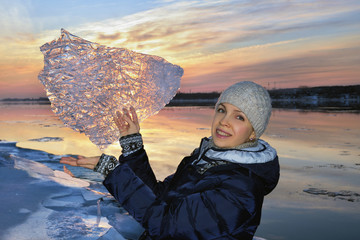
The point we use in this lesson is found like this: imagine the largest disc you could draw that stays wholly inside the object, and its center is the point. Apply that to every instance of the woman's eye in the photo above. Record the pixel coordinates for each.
(220, 110)
(240, 118)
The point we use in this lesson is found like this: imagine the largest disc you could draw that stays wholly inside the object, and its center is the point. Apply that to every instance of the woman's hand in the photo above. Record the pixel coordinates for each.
(80, 161)
(126, 122)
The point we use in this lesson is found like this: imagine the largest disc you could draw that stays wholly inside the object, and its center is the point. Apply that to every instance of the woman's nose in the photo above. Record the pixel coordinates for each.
(224, 120)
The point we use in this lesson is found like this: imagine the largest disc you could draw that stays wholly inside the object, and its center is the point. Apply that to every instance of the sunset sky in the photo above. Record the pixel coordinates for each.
(276, 43)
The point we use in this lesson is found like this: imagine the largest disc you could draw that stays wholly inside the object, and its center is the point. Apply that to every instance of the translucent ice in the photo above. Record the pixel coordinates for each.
(41, 171)
(87, 82)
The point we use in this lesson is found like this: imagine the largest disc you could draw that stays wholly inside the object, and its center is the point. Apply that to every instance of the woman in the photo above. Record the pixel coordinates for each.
(217, 192)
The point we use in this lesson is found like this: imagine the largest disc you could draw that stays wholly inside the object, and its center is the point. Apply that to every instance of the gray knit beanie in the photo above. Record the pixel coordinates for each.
(253, 100)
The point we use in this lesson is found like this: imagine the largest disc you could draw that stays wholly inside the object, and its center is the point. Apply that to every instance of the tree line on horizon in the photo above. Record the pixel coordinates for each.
(349, 91)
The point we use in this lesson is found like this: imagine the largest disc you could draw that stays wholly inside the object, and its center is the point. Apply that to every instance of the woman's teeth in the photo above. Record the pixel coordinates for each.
(222, 133)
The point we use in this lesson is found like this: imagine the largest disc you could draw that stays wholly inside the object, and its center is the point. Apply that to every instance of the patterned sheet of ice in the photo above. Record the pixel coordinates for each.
(87, 82)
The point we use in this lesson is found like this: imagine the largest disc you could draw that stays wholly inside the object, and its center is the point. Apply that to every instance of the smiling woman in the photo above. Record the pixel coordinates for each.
(220, 186)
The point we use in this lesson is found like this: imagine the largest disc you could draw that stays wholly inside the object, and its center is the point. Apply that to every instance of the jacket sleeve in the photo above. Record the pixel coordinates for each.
(138, 162)
(225, 209)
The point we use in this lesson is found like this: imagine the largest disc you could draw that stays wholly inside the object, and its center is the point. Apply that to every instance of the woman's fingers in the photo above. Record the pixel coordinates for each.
(126, 112)
(134, 116)
(117, 119)
(127, 121)
(121, 121)
(66, 170)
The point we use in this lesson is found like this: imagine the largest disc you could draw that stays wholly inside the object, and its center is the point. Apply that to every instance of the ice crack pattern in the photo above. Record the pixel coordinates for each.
(87, 82)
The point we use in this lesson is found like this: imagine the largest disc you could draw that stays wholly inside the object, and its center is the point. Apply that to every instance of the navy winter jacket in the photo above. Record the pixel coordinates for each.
(223, 201)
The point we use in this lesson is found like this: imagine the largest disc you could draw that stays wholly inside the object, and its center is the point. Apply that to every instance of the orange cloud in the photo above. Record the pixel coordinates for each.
(114, 36)
(314, 68)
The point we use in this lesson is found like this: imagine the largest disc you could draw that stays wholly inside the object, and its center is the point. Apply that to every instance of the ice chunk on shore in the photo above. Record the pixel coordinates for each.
(47, 139)
(34, 169)
(40, 171)
(87, 82)
(342, 194)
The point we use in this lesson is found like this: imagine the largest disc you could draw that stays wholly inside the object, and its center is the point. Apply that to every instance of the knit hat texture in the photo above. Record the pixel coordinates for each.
(253, 100)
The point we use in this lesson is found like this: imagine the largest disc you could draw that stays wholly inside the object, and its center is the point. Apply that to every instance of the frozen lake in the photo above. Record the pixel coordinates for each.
(317, 196)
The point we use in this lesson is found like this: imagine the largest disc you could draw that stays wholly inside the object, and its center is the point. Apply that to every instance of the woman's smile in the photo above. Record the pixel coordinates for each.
(222, 133)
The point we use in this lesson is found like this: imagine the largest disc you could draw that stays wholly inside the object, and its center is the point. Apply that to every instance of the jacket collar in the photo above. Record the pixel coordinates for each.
(261, 153)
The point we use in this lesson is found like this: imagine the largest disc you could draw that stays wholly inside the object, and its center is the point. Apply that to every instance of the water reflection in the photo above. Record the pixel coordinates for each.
(316, 150)
(302, 139)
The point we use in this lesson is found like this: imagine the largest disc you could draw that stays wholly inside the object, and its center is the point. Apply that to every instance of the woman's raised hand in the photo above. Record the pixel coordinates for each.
(127, 122)
(80, 161)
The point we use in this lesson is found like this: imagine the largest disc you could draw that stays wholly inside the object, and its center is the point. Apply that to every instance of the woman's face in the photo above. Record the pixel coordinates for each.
(230, 126)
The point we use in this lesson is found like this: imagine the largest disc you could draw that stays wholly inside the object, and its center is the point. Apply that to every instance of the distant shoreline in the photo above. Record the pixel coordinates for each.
(327, 98)
(40, 99)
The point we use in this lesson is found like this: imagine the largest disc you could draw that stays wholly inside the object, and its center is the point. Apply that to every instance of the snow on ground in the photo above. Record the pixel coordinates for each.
(38, 202)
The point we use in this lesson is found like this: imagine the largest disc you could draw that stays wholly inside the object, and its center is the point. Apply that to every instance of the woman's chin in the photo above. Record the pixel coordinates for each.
(221, 143)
